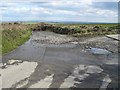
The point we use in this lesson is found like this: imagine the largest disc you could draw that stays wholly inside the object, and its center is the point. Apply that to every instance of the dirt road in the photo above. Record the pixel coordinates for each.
(50, 60)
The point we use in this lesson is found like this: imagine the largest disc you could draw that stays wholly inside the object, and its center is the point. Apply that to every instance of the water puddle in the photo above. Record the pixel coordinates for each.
(99, 51)
(79, 74)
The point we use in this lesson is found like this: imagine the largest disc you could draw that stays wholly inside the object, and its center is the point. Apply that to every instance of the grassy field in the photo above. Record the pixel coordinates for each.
(13, 35)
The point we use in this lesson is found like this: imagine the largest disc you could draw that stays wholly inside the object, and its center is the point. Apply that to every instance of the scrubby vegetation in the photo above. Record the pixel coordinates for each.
(79, 30)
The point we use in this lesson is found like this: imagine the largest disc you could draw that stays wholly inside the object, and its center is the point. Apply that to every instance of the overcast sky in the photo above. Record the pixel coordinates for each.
(69, 10)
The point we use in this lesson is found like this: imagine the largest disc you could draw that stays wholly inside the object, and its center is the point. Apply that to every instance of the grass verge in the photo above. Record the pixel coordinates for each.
(13, 36)
(11, 39)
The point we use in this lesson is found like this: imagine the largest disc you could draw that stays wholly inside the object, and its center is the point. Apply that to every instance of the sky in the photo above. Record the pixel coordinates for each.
(60, 10)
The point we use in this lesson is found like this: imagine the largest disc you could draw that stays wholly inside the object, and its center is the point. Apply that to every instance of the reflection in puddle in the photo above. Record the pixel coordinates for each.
(99, 51)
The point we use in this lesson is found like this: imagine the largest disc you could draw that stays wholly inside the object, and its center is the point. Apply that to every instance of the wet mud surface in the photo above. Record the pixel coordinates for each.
(58, 58)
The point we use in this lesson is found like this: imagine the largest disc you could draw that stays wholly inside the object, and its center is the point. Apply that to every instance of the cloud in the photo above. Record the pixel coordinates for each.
(86, 10)
(57, 0)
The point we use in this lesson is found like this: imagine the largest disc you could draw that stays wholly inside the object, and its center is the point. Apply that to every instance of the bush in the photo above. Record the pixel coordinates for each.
(73, 29)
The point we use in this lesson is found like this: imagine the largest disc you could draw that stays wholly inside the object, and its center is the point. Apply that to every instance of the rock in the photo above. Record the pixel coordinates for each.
(11, 62)
(93, 69)
(74, 42)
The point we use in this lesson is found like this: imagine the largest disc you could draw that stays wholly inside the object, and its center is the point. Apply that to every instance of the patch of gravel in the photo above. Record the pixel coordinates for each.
(51, 38)
(101, 42)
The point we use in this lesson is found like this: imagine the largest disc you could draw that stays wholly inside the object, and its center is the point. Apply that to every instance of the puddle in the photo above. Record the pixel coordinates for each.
(99, 51)
(79, 74)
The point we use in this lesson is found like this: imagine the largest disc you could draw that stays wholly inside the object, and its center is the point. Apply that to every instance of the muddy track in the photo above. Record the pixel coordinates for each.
(64, 62)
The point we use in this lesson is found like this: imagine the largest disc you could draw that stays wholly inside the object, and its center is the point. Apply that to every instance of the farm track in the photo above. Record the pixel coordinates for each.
(60, 61)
